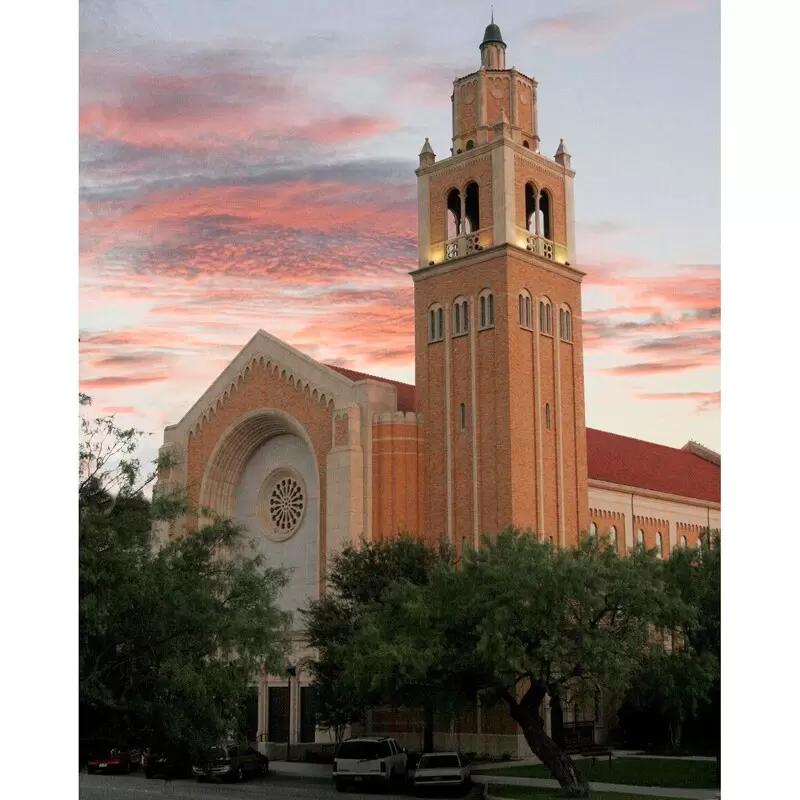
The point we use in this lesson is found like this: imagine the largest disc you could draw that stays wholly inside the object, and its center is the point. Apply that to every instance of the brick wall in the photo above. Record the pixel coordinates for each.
(457, 177)
(262, 386)
(398, 444)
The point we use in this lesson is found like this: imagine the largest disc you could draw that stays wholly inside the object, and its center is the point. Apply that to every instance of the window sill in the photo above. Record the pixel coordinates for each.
(566, 341)
(526, 327)
(486, 328)
(435, 341)
(460, 335)
(548, 335)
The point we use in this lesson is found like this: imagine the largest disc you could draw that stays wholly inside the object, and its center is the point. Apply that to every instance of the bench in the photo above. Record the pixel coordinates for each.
(594, 751)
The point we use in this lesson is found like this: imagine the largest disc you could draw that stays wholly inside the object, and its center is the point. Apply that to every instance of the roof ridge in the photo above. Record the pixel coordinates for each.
(368, 375)
(636, 439)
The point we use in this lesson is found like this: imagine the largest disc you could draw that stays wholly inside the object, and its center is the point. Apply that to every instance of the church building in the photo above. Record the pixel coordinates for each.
(309, 457)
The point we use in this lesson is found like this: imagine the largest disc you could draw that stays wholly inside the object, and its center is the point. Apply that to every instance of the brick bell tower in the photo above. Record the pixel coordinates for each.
(499, 354)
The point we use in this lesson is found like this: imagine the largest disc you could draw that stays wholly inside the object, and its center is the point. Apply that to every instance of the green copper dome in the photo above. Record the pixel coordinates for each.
(492, 35)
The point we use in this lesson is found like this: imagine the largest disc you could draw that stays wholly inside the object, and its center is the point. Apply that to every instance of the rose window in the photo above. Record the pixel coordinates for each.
(282, 504)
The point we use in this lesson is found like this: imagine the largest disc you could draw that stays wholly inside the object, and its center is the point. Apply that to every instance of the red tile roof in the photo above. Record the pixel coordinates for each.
(614, 458)
(405, 391)
(644, 465)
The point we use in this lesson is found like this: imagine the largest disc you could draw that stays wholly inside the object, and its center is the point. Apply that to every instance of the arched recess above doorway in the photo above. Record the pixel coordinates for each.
(226, 464)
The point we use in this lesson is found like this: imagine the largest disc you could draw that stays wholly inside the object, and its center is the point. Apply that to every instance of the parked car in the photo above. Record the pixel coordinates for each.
(109, 757)
(166, 762)
(369, 759)
(441, 772)
(232, 762)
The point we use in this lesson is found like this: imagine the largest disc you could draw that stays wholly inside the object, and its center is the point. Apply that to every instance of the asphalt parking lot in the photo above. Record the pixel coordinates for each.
(277, 786)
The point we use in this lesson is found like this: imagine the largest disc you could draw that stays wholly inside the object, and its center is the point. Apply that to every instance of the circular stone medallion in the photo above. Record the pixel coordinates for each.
(281, 504)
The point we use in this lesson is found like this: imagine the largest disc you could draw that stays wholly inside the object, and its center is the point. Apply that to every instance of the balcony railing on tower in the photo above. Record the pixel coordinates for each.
(467, 243)
(546, 248)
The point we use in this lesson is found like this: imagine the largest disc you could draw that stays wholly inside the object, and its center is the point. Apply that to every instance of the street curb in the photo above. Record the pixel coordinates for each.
(293, 776)
(669, 793)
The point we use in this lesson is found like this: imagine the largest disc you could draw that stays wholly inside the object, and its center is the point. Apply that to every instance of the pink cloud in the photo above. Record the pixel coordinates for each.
(705, 400)
(121, 381)
(594, 25)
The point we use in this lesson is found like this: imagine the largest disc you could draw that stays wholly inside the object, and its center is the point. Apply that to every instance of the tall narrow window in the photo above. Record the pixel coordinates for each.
(487, 309)
(457, 319)
(530, 206)
(465, 316)
(463, 410)
(684, 543)
(472, 208)
(593, 531)
(612, 537)
(565, 324)
(545, 317)
(659, 545)
(525, 310)
(545, 210)
(435, 324)
(547, 416)
(454, 223)
(640, 538)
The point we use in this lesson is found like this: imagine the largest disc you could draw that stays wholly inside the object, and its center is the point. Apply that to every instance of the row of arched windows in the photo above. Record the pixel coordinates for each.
(545, 317)
(463, 210)
(461, 315)
(640, 543)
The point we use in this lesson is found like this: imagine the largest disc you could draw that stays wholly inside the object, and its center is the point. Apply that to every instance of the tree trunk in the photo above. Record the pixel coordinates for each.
(557, 720)
(561, 766)
(675, 734)
(427, 729)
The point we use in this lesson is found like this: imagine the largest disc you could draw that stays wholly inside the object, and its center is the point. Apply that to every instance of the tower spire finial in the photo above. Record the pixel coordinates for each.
(492, 7)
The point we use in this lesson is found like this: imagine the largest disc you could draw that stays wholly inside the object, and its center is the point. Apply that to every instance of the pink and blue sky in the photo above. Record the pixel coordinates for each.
(250, 164)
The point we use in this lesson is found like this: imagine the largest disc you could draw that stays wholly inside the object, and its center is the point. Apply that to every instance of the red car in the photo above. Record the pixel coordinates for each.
(113, 759)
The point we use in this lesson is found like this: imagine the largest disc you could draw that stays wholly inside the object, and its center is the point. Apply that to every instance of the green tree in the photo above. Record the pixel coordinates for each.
(357, 578)
(171, 638)
(516, 622)
(679, 682)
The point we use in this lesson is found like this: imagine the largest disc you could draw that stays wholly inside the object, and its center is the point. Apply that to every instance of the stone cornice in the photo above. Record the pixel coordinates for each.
(486, 71)
(488, 254)
(542, 162)
(671, 498)
(457, 162)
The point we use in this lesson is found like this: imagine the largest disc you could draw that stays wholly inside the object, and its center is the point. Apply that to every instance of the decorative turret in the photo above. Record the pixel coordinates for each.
(562, 155)
(426, 155)
(502, 128)
(493, 48)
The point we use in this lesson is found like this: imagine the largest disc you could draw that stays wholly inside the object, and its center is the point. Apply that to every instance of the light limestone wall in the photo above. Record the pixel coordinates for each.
(345, 485)
(632, 503)
(503, 195)
(299, 553)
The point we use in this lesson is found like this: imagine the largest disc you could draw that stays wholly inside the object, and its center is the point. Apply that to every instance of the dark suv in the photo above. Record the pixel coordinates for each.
(166, 762)
(232, 762)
